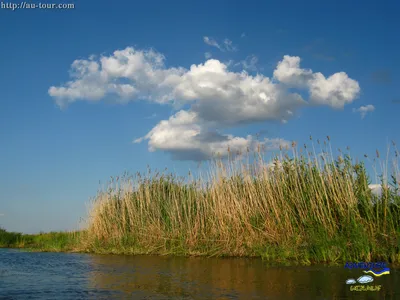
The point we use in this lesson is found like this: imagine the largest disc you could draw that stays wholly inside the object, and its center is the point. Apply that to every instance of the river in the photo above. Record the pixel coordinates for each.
(32, 275)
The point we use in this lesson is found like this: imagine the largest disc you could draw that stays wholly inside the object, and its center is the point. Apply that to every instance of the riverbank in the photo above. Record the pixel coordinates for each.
(302, 207)
(50, 242)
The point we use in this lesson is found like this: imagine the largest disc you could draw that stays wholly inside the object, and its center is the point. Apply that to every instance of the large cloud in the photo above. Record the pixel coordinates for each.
(217, 97)
(230, 98)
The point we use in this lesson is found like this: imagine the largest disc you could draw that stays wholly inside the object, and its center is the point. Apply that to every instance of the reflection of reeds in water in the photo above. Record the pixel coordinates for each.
(304, 206)
(212, 278)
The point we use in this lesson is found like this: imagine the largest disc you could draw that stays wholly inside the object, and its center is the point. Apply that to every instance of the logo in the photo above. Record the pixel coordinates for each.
(376, 269)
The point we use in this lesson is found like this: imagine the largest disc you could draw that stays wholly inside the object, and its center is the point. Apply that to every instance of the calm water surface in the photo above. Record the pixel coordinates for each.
(25, 275)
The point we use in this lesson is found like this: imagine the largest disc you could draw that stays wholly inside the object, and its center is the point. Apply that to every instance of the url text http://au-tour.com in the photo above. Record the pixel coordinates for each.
(35, 5)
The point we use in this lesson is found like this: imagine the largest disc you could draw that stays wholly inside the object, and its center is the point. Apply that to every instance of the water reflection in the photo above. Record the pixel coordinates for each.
(61, 276)
(218, 278)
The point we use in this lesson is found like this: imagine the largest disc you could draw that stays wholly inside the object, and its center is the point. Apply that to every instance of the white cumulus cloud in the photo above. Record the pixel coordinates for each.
(185, 137)
(336, 91)
(142, 72)
(216, 97)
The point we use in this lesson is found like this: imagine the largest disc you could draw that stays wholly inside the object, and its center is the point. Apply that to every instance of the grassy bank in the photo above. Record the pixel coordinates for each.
(52, 241)
(301, 207)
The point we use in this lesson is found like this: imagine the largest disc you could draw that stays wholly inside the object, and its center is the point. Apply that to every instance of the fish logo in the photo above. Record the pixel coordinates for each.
(365, 279)
(350, 281)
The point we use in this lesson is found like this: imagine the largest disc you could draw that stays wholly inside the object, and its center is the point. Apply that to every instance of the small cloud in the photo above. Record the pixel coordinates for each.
(377, 189)
(226, 45)
(207, 55)
(363, 110)
(138, 140)
(382, 77)
(211, 42)
(250, 63)
(243, 35)
(229, 46)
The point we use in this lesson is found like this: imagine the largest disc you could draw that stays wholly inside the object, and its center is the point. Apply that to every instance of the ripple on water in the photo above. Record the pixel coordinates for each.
(26, 275)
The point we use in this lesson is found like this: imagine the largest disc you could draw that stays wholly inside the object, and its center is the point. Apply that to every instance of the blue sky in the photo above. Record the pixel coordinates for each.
(177, 76)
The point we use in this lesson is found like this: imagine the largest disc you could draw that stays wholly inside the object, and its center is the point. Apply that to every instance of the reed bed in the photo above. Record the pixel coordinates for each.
(300, 207)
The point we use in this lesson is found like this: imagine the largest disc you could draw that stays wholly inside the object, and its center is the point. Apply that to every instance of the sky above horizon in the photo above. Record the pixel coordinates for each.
(107, 87)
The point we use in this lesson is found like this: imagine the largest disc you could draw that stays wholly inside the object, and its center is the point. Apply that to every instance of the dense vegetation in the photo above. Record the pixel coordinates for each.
(303, 207)
(52, 241)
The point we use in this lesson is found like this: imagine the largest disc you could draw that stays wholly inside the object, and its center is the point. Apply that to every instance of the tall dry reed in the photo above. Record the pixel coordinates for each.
(303, 206)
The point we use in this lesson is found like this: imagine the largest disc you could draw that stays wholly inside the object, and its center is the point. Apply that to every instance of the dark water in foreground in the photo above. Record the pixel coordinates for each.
(25, 275)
